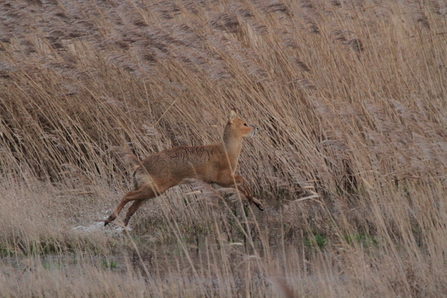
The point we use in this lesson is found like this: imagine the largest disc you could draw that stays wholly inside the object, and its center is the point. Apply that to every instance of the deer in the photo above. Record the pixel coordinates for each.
(213, 164)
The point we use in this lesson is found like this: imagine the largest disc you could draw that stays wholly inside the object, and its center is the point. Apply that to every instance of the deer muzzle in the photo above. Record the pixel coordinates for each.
(254, 131)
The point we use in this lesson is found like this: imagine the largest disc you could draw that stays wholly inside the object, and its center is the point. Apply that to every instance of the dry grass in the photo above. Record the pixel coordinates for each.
(350, 98)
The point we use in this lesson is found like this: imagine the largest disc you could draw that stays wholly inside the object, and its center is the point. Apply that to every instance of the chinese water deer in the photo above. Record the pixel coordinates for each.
(215, 163)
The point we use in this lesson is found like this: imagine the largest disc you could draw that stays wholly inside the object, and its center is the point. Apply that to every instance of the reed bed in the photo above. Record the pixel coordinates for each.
(351, 156)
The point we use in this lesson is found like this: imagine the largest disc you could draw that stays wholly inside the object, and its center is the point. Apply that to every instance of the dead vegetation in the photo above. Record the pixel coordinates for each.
(350, 99)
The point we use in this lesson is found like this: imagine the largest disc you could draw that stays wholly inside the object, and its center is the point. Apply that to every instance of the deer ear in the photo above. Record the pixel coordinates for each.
(233, 116)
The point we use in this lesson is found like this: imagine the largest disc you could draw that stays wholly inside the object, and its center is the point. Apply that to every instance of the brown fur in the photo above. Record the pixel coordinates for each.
(215, 163)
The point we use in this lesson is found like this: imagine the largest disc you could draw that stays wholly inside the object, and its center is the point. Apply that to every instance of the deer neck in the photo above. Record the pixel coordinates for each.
(232, 145)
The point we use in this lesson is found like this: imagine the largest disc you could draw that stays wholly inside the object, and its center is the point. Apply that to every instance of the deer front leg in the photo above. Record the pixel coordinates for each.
(241, 185)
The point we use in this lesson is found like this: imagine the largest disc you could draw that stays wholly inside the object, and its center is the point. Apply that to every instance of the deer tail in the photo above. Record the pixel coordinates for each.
(127, 155)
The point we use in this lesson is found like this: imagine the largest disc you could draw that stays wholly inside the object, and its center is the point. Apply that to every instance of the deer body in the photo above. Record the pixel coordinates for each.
(215, 163)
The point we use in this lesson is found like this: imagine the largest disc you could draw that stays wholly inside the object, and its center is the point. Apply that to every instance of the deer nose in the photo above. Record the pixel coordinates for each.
(254, 131)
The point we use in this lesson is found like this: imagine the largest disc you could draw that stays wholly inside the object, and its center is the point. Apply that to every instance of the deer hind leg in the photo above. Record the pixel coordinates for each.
(139, 196)
(132, 209)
